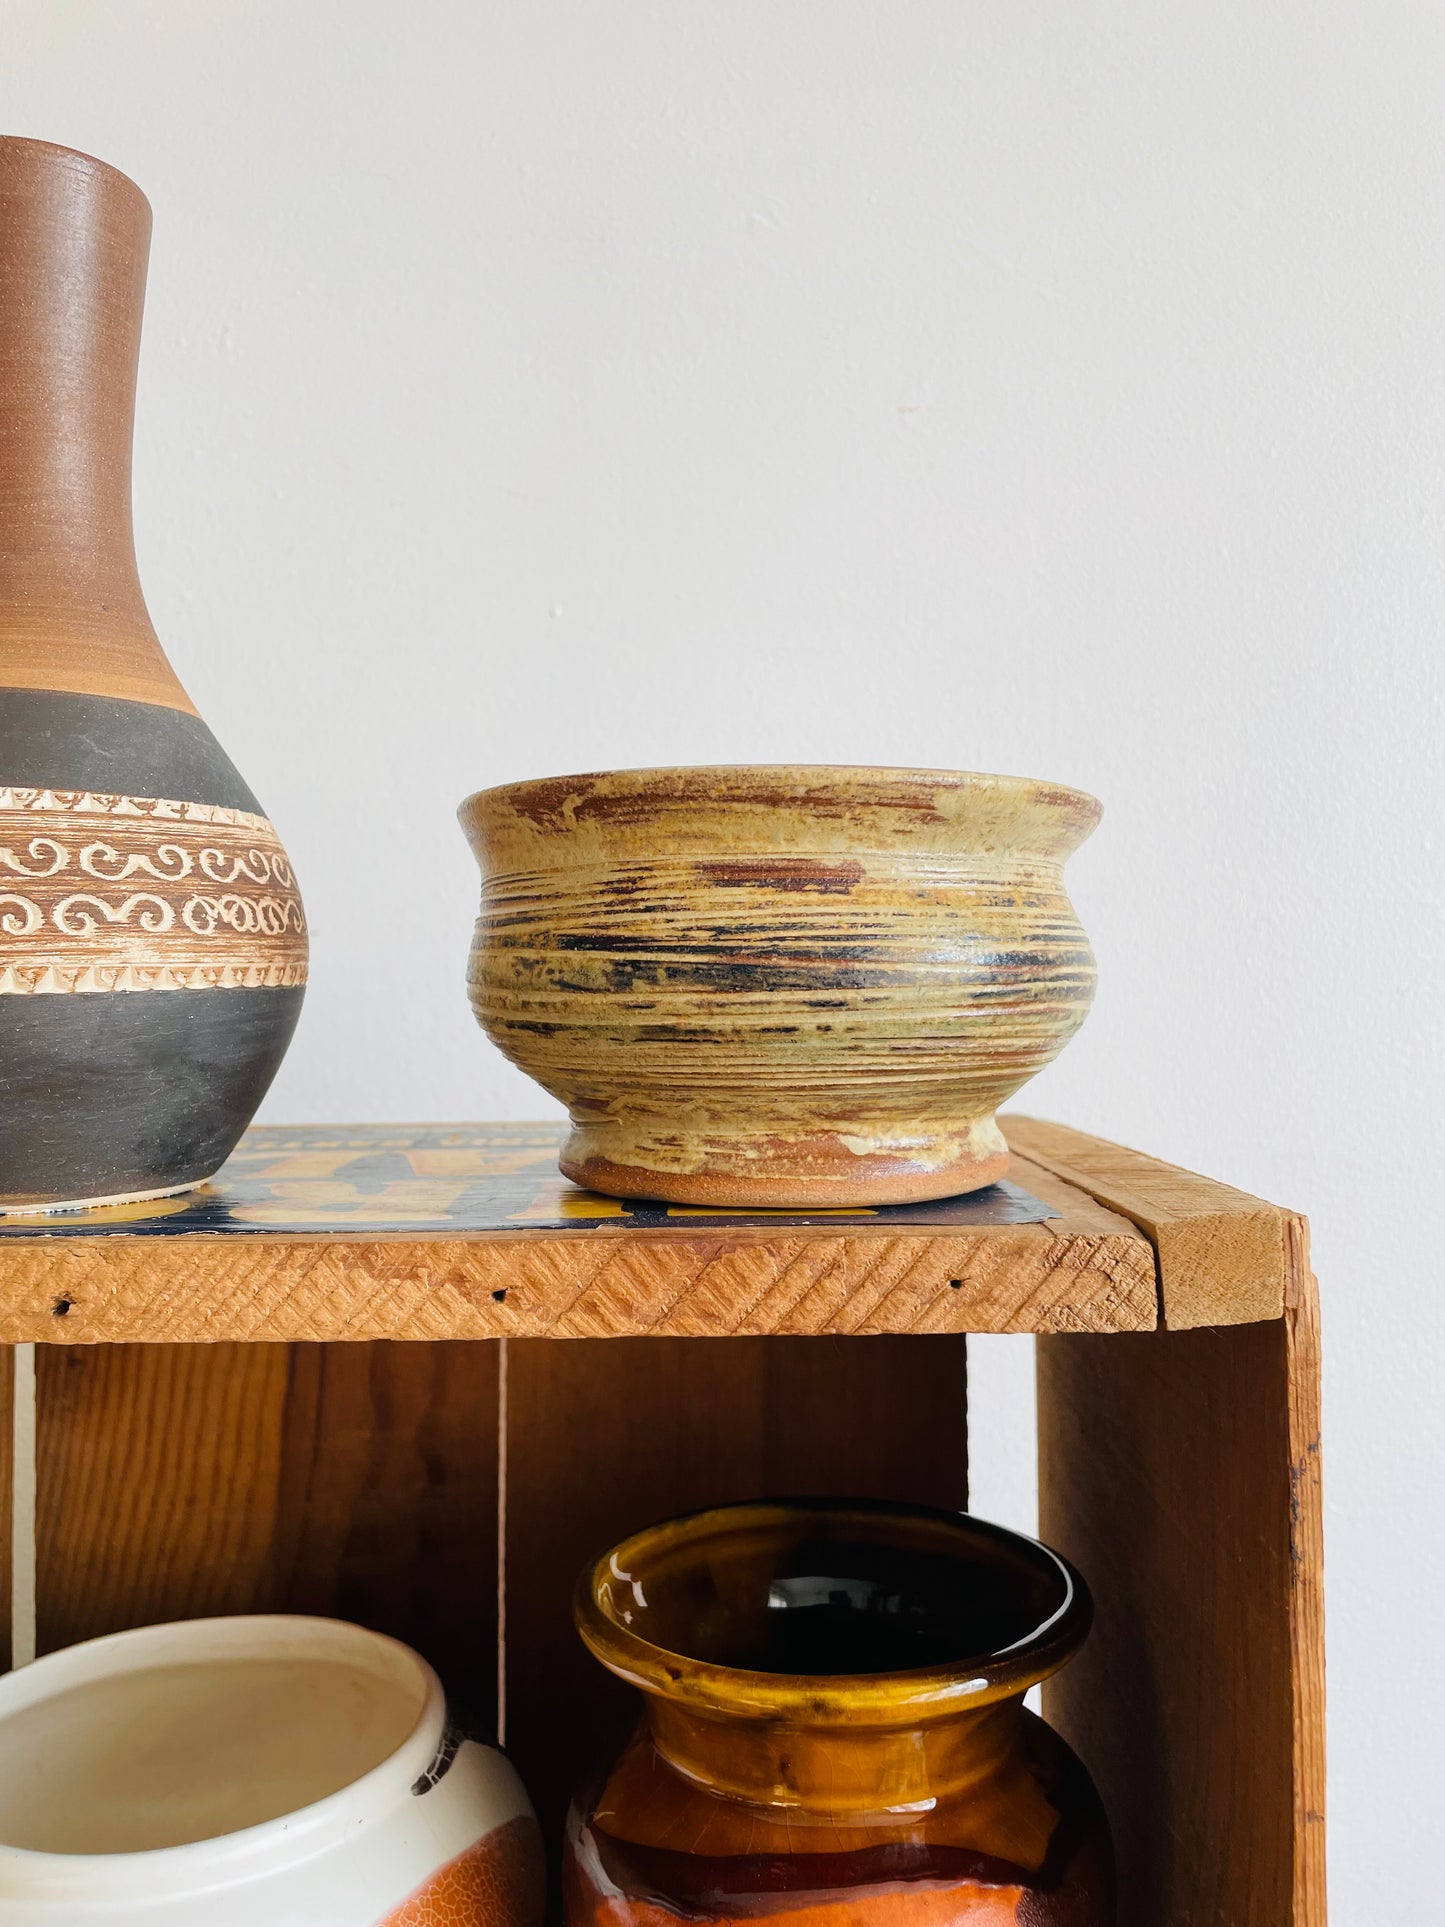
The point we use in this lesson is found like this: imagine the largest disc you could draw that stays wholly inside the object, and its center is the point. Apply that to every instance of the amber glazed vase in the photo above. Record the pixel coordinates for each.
(152, 943)
(834, 1732)
(780, 987)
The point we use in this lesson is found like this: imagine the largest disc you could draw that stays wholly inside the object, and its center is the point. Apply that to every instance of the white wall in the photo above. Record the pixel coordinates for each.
(1052, 386)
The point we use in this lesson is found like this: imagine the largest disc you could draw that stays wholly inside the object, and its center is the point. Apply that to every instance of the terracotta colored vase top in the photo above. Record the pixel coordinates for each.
(152, 942)
(834, 1727)
(790, 987)
(281, 1770)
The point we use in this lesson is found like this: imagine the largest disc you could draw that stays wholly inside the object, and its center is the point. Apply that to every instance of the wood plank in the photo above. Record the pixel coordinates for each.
(1180, 1470)
(1089, 1271)
(604, 1439)
(1224, 1256)
(1307, 1574)
(356, 1481)
(7, 1484)
(317, 1232)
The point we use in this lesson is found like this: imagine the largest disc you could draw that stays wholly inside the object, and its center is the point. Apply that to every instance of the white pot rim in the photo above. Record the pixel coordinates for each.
(271, 1845)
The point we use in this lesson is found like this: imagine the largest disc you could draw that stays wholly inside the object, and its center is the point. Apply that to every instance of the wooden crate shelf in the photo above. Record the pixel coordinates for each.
(449, 1490)
(326, 1234)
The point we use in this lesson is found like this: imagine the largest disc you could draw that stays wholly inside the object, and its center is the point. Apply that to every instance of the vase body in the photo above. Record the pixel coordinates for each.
(784, 987)
(254, 1772)
(152, 942)
(834, 1731)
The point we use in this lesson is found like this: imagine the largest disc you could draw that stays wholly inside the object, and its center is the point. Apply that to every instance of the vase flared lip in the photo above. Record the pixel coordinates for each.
(57, 150)
(881, 1698)
(266, 1845)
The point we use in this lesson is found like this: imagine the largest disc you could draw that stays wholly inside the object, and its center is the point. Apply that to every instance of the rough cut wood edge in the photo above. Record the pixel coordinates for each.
(7, 1495)
(1224, 1256)
(1087, 1270)
(1307, 1574)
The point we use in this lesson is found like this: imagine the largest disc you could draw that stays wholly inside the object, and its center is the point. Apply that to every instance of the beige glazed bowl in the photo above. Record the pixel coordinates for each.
(780, 986)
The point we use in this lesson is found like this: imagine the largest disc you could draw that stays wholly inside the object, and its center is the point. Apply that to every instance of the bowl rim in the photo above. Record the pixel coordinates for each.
(262, 1847)
(881, 1698)
(664, 777)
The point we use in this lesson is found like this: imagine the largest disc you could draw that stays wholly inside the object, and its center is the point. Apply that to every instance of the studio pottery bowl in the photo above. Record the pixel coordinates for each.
(782, 986)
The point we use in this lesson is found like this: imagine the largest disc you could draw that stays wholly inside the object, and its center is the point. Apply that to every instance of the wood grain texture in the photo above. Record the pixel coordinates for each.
(74, 243)
(605, 1439)
(1307, 1575)
(1086, 1270)
(7, 1480)
(1180, 1470)
(1223, 1255)
(787, 986)
(355, 1481)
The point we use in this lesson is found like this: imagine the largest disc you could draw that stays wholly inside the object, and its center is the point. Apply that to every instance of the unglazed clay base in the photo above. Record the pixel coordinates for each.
(49, 1210)
(825, 1171)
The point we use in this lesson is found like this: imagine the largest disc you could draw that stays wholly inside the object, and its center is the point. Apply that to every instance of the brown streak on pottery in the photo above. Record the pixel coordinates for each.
(780, 986)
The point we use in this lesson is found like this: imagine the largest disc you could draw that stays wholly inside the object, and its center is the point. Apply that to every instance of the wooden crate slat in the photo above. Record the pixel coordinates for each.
(1023, 1278)
(7, 1484)
(606, 1438)
(1086, 1269)
(1307, 1573)
(1224, 1257)
(156, 1482)
(1180, 1470)
(358, 1481)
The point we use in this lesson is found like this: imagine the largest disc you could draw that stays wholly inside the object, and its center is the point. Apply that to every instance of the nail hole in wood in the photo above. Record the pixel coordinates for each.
(498, 1297)
(955, 1284)
(60, 1307)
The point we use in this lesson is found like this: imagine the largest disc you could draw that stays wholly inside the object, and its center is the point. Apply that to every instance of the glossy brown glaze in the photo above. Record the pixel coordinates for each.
(834, 1727)
(780, 987)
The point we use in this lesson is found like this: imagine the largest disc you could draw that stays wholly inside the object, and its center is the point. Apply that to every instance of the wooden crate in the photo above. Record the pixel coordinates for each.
(223, 1424)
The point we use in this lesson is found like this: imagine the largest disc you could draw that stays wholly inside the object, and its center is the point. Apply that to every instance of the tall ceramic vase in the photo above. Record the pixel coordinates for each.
(152, 942)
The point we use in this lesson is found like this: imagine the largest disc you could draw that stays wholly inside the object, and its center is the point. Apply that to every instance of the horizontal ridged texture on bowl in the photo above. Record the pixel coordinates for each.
(790, 986)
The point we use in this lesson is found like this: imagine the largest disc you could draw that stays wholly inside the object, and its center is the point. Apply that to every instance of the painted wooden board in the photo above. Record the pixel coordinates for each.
(452, 1181)
(1181, 1471)
(466, 1231)
(606, 1438)
(352, 1480)
(1224, 1257)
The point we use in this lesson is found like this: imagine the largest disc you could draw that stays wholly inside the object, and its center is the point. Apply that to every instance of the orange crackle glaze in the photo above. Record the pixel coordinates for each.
(499, 1882)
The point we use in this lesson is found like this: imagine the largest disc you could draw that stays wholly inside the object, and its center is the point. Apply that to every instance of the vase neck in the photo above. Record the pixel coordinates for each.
(74, 241)
(837, 1767)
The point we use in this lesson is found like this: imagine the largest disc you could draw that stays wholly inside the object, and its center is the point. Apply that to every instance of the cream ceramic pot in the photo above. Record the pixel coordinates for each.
(253, 1772)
